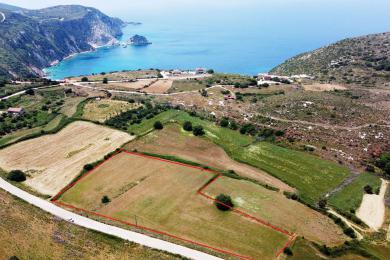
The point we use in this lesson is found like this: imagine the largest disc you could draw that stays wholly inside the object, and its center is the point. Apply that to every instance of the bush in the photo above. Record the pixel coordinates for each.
(198, 130)
(288, 251)
(210, 71)
(322, 203)
(105, 81)
(368, 189)
(349, 232)
(158, 125)
(187, 126)
(88, 167)
(16, 175)
(224, 202)
(105, 199)
(30, 92)
(84, 79)
(224, 123)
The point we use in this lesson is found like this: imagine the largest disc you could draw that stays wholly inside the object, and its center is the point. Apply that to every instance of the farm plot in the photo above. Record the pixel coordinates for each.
(127, 86)
(101, 110)
(160, 87)
(174, 141)
(163, 196)
(52, 161)
(282, 212)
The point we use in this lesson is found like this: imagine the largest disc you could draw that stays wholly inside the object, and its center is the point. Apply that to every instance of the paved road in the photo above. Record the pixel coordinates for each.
(104, 228)
(21, 93)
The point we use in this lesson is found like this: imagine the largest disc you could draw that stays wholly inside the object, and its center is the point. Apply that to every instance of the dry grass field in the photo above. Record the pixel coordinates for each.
(172, 140)
(126, 86)
(280, 211)
(122, 75)
(101, 110)
(29, 233)
(323, 87)
(163, 196)
(52, 161)
(160, 87)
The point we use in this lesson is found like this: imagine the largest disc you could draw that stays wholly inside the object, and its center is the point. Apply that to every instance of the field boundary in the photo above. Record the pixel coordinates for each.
(216, 176)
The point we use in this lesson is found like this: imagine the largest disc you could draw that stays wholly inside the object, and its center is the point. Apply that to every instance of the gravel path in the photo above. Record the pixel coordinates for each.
(104, 228)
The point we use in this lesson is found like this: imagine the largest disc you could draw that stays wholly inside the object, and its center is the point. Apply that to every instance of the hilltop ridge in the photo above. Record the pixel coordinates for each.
(35, 39)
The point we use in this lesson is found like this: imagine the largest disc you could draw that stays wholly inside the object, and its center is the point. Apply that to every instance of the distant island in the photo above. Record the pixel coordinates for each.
(138, 40)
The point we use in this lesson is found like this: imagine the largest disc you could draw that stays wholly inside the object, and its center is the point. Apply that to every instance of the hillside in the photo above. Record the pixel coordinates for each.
(361, 61)
(33, 39)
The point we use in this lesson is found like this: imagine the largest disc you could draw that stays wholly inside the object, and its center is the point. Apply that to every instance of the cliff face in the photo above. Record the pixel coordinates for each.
(33, 39)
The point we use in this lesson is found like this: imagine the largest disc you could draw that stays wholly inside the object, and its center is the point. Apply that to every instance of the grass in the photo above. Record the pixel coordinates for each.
(186, 85)
(163, 196)
(101, 110)
(29, 233)
(288, 214)
(351, 196)
(147, 125)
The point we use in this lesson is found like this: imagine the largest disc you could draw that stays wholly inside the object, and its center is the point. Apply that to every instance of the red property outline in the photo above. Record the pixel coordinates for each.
(217, 175)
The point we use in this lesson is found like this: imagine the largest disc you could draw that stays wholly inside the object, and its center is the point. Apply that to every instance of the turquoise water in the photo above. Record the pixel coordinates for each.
(248, 41)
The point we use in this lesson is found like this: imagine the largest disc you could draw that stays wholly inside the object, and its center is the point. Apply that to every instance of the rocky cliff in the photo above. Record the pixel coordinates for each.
(34, 39)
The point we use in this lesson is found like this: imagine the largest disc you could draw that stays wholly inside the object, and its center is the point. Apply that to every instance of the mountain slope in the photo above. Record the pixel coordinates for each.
(361, 61)
(33, 39)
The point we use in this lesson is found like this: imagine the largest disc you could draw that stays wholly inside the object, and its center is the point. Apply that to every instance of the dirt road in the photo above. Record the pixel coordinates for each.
(104, 228)
(372, 209)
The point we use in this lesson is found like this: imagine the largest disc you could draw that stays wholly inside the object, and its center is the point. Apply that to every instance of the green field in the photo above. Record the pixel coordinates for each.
(311, 175)
(351, 196)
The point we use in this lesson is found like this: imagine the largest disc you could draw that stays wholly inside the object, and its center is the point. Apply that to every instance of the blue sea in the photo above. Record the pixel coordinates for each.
(249, 38)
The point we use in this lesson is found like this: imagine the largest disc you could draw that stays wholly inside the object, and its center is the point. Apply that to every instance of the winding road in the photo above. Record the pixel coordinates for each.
(104, 228)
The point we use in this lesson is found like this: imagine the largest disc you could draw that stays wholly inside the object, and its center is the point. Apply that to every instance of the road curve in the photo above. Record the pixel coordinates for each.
(104, 228)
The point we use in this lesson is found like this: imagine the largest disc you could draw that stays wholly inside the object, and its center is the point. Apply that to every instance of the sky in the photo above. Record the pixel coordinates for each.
(150, 8)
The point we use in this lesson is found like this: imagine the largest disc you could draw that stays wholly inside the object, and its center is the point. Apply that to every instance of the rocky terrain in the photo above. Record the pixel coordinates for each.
(362, 61)
(34, 39)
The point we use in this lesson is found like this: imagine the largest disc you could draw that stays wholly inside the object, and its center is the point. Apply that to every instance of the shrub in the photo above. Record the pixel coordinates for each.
(288, 251)
(16, 175)
(88, 167)
(84, 79)
(158, 125)
(105, 199)
(105, 81)
(198, 130)
(368, 189)
(224, 202)
(30, 92)
(349, 232)
(13, 258)
(187, 126)
(322, 203)
(224, 122)
(210, 71)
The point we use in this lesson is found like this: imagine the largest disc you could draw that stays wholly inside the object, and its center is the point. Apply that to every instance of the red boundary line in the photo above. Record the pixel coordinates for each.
(200, 192)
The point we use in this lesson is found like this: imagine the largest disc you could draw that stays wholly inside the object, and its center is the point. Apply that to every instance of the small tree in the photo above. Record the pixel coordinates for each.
(105, 81)
(105, 199)
(88, 167)
(224, 122)
(187, 126)
(387, 168)
(224, 202)
(198, 130)
(84, 79)
(30, 92)
(16, 175)
(210, 71)
(368, 189)
(322, 203)
(158, 125)
(288, 251)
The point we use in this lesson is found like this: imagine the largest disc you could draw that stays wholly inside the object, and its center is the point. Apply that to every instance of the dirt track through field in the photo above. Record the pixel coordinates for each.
(52, 161)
